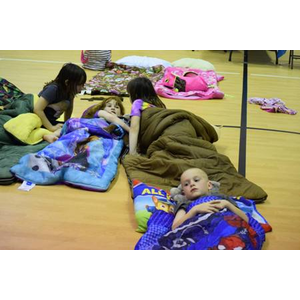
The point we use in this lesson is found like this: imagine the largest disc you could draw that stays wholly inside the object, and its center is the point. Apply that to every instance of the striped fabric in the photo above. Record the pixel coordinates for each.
(96, 59)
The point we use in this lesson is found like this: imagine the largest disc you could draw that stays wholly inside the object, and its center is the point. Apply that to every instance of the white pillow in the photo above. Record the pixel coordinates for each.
(143, 61)
(194, 63)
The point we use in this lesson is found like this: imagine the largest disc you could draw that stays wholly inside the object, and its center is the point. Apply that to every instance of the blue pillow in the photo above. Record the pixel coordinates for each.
(147, 199)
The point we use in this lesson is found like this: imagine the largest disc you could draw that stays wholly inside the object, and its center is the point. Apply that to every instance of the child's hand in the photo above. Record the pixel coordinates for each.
(220, 204)
(208, 207)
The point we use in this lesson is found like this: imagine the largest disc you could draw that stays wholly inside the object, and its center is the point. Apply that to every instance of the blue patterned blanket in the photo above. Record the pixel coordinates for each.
(85, 156)
(211, 231)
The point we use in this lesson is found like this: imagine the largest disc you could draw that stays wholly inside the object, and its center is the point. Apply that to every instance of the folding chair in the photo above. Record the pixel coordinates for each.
(292, 57)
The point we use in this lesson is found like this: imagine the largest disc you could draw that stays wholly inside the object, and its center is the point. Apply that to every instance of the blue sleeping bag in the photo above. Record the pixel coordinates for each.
(85, 156)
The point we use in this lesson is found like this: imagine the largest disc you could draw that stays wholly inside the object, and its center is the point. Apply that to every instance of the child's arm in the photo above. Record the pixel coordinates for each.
(182, 216)
(112, 119)
(220, 204)
(39, 108)
(69, 111)
(207, 207)
(133, 134)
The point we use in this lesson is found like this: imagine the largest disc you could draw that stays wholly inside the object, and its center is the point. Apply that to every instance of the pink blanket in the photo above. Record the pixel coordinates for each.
(210, 77)
(272, 105)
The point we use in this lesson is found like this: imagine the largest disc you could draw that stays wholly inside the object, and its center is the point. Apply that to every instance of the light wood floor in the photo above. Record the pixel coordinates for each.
(61, 217)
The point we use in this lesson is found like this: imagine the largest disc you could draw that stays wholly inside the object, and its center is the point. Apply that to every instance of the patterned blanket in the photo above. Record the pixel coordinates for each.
(114, 81)
(85, 156)
(8, 92)
(212, 231)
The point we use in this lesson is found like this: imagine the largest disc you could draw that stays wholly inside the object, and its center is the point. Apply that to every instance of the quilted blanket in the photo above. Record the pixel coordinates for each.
(114, 81)
(172, 141)
(85, 156)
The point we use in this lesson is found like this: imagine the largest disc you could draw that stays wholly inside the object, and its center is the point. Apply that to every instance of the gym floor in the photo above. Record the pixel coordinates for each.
(61, 217)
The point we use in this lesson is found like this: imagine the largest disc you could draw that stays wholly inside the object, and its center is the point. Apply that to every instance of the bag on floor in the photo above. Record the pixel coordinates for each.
(183, 80)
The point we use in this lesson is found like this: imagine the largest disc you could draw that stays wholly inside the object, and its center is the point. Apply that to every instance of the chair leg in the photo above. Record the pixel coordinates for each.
(292, 58)
(230, 55)
(277, 60)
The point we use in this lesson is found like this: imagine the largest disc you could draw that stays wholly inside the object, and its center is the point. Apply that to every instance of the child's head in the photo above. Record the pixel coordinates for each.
(71, 79)
(106, 104)
(113, 105)
(195, 183)
(142, 88)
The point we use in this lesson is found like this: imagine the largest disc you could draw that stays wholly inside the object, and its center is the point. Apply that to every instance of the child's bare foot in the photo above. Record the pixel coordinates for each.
(50, 138)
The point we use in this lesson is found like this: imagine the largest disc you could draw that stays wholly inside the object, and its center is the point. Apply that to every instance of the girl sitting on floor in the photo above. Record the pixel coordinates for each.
(57, 98)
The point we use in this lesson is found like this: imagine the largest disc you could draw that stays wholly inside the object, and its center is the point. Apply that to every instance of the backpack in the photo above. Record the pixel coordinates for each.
(183, 80)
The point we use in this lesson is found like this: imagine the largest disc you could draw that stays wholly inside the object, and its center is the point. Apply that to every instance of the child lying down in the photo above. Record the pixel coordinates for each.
(110, 110)
(85, 156)
(203, 221)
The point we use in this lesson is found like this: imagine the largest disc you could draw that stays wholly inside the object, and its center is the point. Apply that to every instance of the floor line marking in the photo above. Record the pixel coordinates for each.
(33, 60)
(275, 76)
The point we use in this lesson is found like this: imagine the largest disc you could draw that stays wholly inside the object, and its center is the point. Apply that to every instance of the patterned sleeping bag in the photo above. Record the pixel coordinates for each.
(212, 231)
(85, 156)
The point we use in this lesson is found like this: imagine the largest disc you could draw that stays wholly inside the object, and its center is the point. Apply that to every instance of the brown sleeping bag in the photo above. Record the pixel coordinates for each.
(172, 141)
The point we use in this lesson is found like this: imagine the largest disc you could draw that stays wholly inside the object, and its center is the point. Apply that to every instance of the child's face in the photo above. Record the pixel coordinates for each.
(195, 183)
(113, 108)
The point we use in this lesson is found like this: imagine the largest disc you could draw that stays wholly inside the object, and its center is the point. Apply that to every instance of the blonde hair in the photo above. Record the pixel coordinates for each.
(203, 173)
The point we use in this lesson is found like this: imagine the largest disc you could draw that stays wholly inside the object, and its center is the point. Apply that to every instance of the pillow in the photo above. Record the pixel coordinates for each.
(193, 63)
(146, 200)
(142, 61)
(26, 128)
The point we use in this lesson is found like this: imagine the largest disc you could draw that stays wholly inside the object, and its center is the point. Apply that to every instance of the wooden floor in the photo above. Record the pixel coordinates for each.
(61, 217)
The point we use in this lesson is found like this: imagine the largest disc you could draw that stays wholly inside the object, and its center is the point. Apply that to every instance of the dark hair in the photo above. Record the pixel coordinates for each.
(142, 88)
(74, 75)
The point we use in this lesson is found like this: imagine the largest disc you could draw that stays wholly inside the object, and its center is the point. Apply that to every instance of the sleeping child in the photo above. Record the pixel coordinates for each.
(111, 109)
(195, 184)
(202, 221)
